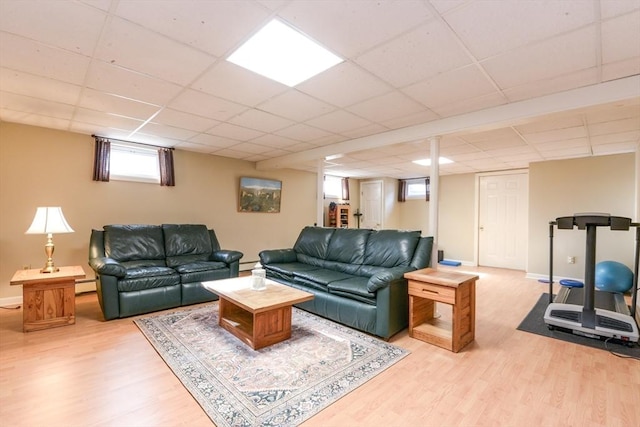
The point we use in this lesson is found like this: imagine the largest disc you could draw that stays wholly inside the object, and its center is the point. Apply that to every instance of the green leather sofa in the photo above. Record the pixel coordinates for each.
(145, 268)
(356, 275)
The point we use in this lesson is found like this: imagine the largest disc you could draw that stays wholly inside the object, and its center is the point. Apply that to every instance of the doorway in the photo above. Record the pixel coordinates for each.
(371, 205)
(503, 212)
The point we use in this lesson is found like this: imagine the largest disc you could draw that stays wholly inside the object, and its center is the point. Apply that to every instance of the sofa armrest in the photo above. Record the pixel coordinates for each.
(276, 256)
(383, 278)
(226, 256)
(107, 266)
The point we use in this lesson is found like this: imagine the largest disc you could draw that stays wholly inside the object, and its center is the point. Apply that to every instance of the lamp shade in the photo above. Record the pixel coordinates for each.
(49, 220)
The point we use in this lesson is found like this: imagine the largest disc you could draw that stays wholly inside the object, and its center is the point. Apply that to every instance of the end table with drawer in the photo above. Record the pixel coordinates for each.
(428, 286)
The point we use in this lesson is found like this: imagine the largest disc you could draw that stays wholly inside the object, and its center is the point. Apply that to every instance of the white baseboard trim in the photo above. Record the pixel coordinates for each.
(10, 301)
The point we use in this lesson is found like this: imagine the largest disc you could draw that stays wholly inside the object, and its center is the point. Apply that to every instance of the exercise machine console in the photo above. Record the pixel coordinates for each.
(614, 320)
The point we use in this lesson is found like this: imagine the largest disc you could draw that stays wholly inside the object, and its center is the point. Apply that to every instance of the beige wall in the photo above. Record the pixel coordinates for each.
(561, 188)
(43, 167)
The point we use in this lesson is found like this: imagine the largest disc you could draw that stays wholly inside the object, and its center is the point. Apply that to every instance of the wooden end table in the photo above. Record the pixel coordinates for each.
(258, 318)
(428, 286)
(48, 299)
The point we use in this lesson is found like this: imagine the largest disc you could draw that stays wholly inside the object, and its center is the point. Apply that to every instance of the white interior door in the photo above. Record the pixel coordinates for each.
(371, 204)
(503, 221)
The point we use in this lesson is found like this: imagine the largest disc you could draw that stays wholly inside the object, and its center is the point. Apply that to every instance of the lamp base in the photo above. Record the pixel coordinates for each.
(50, 269)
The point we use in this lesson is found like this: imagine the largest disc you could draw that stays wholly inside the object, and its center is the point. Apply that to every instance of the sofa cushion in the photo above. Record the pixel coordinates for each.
(200, 266)
(354, 288)
(147, 278)
(134, 242)
(186, 243)
(348, 245)
(314, 241)
(391, 248)
(322, 276)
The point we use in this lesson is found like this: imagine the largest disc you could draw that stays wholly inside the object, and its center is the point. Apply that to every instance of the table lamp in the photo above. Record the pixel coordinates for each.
(49, 220)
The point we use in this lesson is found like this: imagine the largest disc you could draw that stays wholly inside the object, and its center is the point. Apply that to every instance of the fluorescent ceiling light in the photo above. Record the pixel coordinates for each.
(427, 162)
(283, 54)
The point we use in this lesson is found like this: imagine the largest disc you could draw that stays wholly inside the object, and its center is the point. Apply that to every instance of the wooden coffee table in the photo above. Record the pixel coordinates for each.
(258, 318)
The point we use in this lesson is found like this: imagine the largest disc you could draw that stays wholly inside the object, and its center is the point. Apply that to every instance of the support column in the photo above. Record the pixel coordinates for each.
(320, 194)
(637, 183)
(434, 201)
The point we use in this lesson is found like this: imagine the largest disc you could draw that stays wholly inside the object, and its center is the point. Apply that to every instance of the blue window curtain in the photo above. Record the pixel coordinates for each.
(101, 159)
(167, 175)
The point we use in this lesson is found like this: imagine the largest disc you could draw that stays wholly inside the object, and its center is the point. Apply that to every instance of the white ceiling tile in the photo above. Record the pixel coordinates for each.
(184, 120)
(69, 25)
(410, 120)
(617, 147)
(550, 123)
(367, 130)
(101, 101)
(491, 27)
(232, 131)
(249, 147)
(553, 84)
(261, 121)
(338, 122)
(191, 146)
(626, 27)
(32, 57)
(616, 126)
(612, 112)
(556, 135)
(445, 6)
(492, 99)
(615, 138)
(343, 85)
(302, 132)
(120, 81)
(296, 105)
(33, 119)
(566, 144)
(449, 87)
(387, 107)
(95, 129)
(27, 104)
(201, 104)
(611, 8)
(229, 81)
(561, 55)
(213, 141)
(488, 135)
(105, 119)
(620, 69)
(232, 153)
(195, 22)
(275, 141)
(136, 48)
(159, 130)
(332, 23)
(38, 87)
(567, 153)
(98, 4)
(500, 143)
(420, 54)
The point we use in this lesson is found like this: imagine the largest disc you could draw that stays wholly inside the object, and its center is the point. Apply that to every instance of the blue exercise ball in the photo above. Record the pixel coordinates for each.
(612, 276)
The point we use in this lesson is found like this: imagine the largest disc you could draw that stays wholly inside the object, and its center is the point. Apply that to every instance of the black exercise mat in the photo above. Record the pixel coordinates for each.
(534, 323)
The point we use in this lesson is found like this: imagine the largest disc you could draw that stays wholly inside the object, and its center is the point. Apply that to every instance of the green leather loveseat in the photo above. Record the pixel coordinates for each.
(356, 275)
(145, 268)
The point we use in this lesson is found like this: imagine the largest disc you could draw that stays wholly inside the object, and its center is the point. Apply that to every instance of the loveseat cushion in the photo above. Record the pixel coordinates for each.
(391, 248)
(147, 278)
(186, 243)
(200, 266)
(348, 245)
(134, 242)
(313, 242)
(322, 276)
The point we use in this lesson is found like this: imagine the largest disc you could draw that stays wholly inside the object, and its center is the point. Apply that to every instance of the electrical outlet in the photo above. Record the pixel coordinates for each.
(571, 260)
(26, 267)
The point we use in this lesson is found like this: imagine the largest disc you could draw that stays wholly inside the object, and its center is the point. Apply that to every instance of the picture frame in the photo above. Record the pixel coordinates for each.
(259, 195)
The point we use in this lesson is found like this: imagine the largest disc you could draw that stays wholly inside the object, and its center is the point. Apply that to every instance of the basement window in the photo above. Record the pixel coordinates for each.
(332, 187)
(134, 163)
(416, 188)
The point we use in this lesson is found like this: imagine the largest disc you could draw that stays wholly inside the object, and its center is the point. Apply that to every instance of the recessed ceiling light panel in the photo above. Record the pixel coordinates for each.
(283, 54)
(427, 162)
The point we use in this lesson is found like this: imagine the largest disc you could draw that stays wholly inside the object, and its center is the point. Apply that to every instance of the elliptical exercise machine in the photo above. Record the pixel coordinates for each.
(615, 320)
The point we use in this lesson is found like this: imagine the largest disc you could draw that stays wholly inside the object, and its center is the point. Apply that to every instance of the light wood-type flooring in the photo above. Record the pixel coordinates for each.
(98, 373)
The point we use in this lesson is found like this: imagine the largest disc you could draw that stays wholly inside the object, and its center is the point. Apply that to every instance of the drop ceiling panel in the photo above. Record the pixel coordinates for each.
(229, 81)
(201, 104)
(489, 28)
(554, 84)
(68, 25)
(338, 122)
(422, 53)
(232, 131)
(38, 87)
(302, 132)
(184, 120)
(105, 119)
(261, 121)
(193, 22)
(622, 28)
(136, 48)
(472, 104)
(332, 25)
(36, 58)
(27, 104)
(213, 141)
(387, 107)
(561, 55)
(275, 141)
(171, 132)
(296, 106)
(101, 101)
(616, 126)
(556, 135)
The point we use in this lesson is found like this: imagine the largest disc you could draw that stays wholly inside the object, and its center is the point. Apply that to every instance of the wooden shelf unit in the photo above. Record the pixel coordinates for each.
(340, 217)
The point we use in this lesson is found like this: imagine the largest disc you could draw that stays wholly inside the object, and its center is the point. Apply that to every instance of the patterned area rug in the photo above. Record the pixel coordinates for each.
(280, 385)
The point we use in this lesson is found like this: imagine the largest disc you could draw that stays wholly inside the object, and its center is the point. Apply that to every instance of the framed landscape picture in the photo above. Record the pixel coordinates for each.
(259, 195)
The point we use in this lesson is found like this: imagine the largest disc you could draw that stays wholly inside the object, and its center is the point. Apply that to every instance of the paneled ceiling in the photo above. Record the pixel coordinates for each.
(504, 83)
